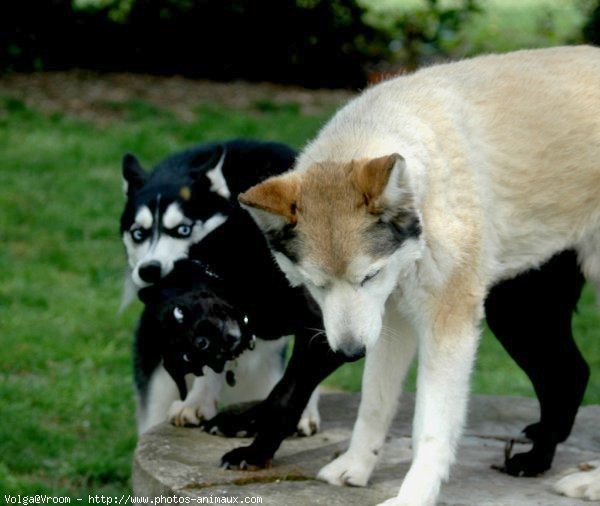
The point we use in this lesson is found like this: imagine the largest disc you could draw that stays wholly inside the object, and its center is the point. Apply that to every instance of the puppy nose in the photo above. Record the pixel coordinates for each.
(150, 272)
(201, 343)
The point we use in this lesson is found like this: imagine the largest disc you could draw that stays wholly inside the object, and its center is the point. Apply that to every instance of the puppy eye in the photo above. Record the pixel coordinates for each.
(138, 235)
(369, 277)
(183, 231)
(178, 315)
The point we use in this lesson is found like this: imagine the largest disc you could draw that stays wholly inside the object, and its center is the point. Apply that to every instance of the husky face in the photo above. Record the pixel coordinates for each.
(165, 216)
(347, 232)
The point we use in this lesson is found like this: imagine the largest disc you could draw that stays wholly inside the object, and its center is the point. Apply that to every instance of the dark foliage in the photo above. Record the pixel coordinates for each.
(591, 29)
(313, 43)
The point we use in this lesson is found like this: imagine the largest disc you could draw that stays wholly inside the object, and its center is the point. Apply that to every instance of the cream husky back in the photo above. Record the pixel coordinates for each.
(413, 201)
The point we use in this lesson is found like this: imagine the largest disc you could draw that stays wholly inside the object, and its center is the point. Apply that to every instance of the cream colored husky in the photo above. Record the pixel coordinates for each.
(411, 203)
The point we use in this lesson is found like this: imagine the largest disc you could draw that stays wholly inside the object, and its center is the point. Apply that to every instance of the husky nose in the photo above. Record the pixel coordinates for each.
(351, 348)
(150, 272)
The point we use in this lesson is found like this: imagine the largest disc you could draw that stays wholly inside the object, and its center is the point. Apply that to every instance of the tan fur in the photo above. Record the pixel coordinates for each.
(330, 221)
(276, 195)
(370, 177)
(502, 169)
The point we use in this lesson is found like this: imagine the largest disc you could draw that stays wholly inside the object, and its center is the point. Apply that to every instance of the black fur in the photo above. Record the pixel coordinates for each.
(531, 316)
(197, 336)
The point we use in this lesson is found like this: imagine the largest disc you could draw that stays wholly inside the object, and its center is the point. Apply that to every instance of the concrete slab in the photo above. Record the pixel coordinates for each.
(183, 463)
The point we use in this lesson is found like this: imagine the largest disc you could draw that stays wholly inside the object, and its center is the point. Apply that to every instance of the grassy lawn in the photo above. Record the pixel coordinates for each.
(65, 375)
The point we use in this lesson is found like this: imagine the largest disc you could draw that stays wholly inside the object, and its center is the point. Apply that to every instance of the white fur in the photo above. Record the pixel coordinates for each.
(165, 249)
(502, 158)
(581, 484)
(143, 218)
(162, 392)
(218, 182)
(173, 216)
(385, 368)
(201, 401)
(256, 371)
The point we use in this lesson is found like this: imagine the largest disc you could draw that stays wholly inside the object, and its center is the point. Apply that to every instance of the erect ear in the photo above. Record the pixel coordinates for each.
(273, 203)
(382, 182)
(218, 184)
(134, 176)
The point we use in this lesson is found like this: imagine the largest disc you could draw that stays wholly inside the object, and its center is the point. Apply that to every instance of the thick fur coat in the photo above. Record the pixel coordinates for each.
(411, 203)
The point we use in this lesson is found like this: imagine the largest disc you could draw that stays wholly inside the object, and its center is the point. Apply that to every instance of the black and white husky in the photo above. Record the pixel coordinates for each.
(186, 208)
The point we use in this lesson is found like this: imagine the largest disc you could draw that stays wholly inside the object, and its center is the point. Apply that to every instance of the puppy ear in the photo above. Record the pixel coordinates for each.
(134, 176)
(273, 203)
(382, 183)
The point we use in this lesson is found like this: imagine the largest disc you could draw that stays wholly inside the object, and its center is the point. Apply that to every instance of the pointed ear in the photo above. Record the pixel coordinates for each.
(381, 182)
(134, 176)
(273, 203)
(218, 184)
(206, 159)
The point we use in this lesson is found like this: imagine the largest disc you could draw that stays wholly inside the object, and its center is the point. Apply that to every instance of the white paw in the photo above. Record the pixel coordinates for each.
(582, 484)
(398, 501)
(394, 501)
(189, 415)
(309, 424)
(348, 469)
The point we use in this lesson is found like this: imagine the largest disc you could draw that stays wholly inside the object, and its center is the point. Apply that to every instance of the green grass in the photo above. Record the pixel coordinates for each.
(65, 381)
(65, 376)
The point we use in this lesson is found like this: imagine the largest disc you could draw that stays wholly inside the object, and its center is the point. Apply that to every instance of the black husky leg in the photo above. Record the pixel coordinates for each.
(531, 316)
(277, 416)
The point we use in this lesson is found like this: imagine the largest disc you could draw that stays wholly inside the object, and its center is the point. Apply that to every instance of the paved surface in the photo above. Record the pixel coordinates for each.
(183, 462)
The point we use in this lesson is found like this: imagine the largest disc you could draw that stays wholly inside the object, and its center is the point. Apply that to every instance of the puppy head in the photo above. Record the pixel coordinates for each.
(197, 329)
(346, 231)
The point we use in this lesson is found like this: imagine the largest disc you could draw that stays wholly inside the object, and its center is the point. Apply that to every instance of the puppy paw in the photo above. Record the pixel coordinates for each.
(582, 484)
(235, 421)
(309, 424)
(189, 415)
(246, 458)
(348, 469)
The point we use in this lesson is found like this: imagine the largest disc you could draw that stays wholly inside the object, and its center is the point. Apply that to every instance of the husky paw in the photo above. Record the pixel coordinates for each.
(185, 415)
(246, 458)
(309, 424)
(582, 484)
(348, 469)
(394, 501)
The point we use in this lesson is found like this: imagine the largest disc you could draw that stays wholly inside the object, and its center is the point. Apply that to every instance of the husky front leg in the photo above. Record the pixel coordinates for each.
(446, 357)
(385, 369)
(201, 401)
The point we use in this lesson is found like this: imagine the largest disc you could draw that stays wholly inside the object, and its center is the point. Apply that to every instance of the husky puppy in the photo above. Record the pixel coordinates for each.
(186, 207)
(188, 327)
(411, 204)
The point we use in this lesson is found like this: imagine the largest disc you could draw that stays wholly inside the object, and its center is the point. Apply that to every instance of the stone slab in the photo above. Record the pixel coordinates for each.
(172, 461)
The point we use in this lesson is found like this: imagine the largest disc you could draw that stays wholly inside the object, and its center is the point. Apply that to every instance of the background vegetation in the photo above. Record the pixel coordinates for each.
(66, 396)
(333, 43)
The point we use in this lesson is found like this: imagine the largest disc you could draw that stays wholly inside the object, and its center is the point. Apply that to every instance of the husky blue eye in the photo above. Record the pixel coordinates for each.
(184, 230)
(369, 277)
(138, 235)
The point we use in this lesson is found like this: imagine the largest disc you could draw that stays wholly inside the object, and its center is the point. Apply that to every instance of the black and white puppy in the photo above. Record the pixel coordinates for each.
(189, 327)
(186, 207)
